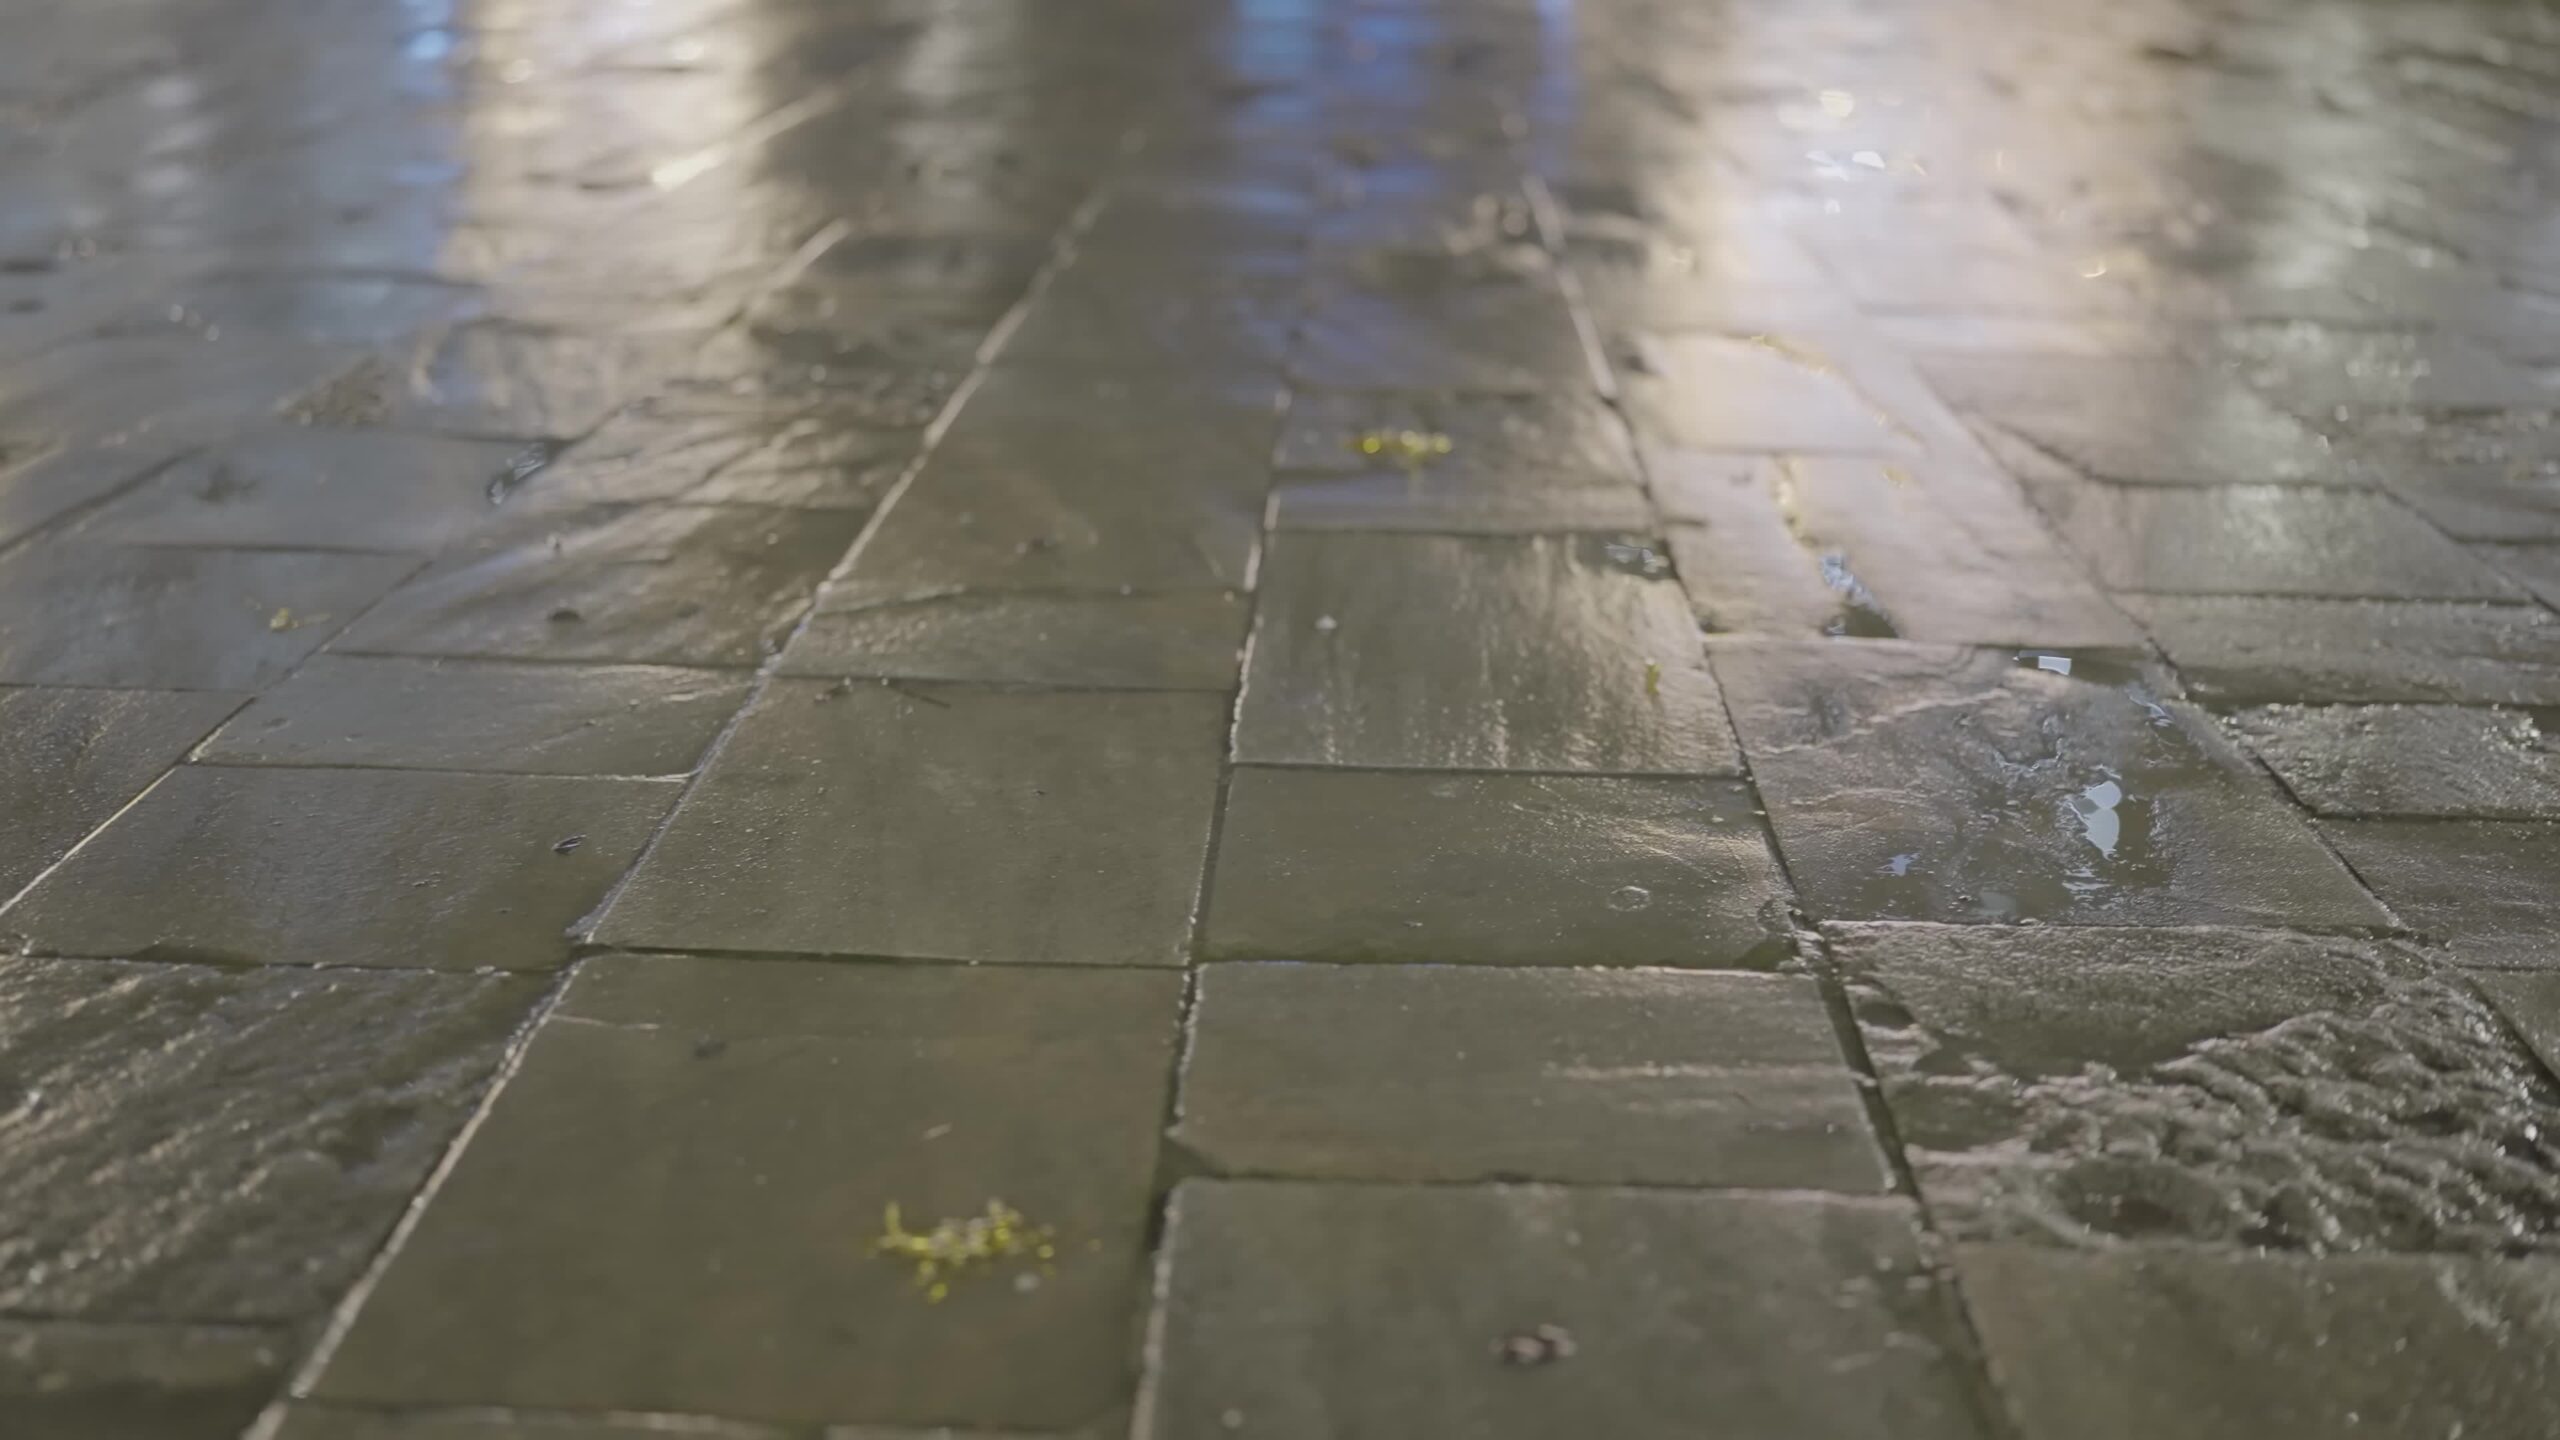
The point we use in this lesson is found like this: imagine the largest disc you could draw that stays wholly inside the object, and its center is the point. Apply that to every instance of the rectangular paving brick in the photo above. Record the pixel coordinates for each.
(2264, 540)
(839, 818)
(2139, 421)
(1931, 783)
(178, 619)
(267, 865)
(484, 715)
(2449, 761)
(676, 1204)
(1169, 320)
(129, 1380)
(44, 484)
(2138, 1343)
(2191, 1085)
(2314, 370)
(668, 585)
(2251, 650)
(1181, 640)
(1437, 652)
(1435, 503)
(1566, 441)
(69, 759)
(1721, 392)
(226, 1144)
(1497, 869)
(328, 490)
(316, 1421)
(2537, 567)
(1181, 428)
(1508, 335)
(1291, 1309)
(1651, 1077)
(2482, 886)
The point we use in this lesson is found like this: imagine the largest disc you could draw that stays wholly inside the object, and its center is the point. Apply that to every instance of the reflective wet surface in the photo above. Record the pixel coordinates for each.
(1299, 718)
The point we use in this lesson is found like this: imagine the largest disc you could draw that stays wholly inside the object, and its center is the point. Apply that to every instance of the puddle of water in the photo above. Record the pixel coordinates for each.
(2099, 822)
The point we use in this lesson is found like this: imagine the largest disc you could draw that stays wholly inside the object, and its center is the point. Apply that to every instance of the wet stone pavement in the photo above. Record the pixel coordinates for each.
(1297, 718)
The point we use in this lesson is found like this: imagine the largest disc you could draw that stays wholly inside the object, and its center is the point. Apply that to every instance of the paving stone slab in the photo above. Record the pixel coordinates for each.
(2530, 1001)
(40, 484)
(490, 377)
(2264, 540)
(2536, 567)
(69, 759)
(837, 816)
(2135, 1344)
(1434, 504)
(2140, 421)
(1368, 1312)
(2234, 650)
(270, 865)
(816, 463)
(2482, 886)
(179, 619)
(326, 490)
(1185, 640)
(2240, 1088)
(2450, 761)
(1931, 783)
(225, 1144)
(1170, 320)
(66, 1380)
(490, 716)
(1651, 1077)
(1478, 653)
(1506, 337)
(1543, 443)
(670, 585)
(1922, 550)
(675, 1205)
(1721, 392)
(308, 1421)
(1501, 869)
(1204, 428)
(2312, 369)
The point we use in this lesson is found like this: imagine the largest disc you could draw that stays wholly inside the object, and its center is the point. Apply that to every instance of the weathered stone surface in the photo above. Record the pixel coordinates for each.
(180, 619)
(2428, 760)
(2312, 369)
(657, 1217)
(1719, 392)
(224, 1145)
(2143, 421)
(309, 1420)
(335, 490)
(2264, 540)
(2536, 566)
(1433, 504)
(1182, 640)
(264, 865)
(2138, 1343)
(1436, 652)
(491, 716)
(69, 759)
(2246, 650)
(68, 1380)
(1538, 442)
(2246, 1088)
(1425, 1072)
(1171, 432)
(1499, 869)
(1272, 1318)
(1504, 337)
(40, 484)
(1164, 320)
(2482, 886)
(670, 585)
(838, 817)
(1931, 783)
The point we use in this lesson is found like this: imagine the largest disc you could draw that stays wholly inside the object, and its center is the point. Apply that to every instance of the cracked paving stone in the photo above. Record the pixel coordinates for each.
(2264, 540)
(1646, 1077)
(1185, 640)
(2224, 1087)
(1478, 653)
(2482, 886)
(182, 619)
(835, 818)
(40, 484)
(1495, 869)
(2136, 1344)
(669, 585)
(1497, 443)
(1721, 392)
(73, 1380)
(2233, 650)
(654, 1218)
(488, 716)
(69, 759)
(1506, 337)
(1844, 546)
(2537, 567)
(225, 1144)
(2315, 369)
(2447, 761)
(1372, 1311)
(2163, 423)
(1911, 782)
(322, 489)
(282, 866)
